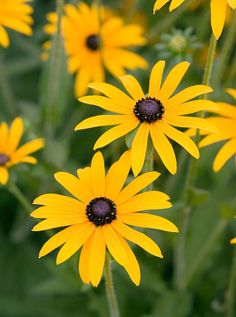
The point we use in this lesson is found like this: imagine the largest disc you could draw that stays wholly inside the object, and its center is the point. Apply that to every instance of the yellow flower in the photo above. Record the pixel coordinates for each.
(9, 153)
(155, 113)
(14, 14)
(225, 123)
(233, 241)
(98, 217)
(95, 39)
(218, 12)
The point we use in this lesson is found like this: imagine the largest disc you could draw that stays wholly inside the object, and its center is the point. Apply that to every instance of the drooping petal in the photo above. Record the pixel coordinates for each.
(163, 148)
(137, 237)
(97, 256)
(72, 245)
(4, 175)
(139, 148)
(84, 261)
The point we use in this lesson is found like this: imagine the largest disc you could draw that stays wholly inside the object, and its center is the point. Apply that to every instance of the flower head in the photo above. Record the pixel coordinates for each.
(15, 15)
(218, 12)
(99, 215)
(95, 39)
(10, 154)
(225, 124)
(156, 113)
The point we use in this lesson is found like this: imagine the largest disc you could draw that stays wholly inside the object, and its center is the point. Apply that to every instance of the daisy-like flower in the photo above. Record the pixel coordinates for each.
(99, 215)
(225, 123)
(95, 39)
(15, 15)
(10, 154)
(156, 113)
(218, 12)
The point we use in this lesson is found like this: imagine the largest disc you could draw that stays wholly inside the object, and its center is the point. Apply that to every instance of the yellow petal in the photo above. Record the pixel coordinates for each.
(56, 200)
(97, 256)
(73, 244)
(117, 176)
(180, 137)
(151, 200)
(98, 175)
(218, 15)
(57, 240)
(233, 241)
(136, 186)
(3, 137)
(156, 79)
(148, 221)
(137, 237)
(193, 107)
(163, 148)
(190, 122)
(139, 148)
(172, 80)
(60, 221)
(100, 121)
(74, 186)
(28, 148)
(114, 245)
(15, 135)
(225, 153)
(59, 211)
(213, 138)
(116, 133)
(4, 38)
(159, 4)
(175, 4)
(132, 86)
(4, 175)
(84, 261)
(231, 91)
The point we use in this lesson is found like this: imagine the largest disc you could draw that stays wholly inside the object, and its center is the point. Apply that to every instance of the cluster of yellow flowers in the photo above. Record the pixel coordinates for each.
(103, 208)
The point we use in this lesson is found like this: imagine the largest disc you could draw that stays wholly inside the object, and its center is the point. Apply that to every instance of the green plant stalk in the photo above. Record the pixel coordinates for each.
(14, 189)
(180, 265)
(111, 296)
(226, 51)
(230, 296)
(54, 75)
(6, 93)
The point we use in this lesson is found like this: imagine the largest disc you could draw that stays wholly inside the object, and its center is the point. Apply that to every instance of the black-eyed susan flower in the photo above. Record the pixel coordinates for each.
(218, 12)
(96, 39)
(98, 217)
(15, 15)
(225, 123)
(10, 153)
(156, 114)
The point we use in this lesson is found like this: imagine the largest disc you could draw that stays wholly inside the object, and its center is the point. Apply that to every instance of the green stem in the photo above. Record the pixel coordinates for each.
(54, 75)
(226, 51)
(180, 257)
(230, 296)
(111, 296)
(14, 189)
(6, 93)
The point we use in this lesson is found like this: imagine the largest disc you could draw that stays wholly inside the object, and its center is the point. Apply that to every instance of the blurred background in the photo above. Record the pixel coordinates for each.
(30, 287)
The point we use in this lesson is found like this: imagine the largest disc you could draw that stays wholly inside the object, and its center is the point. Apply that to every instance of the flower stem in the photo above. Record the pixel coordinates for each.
(54, 75)
(230, 296)
(111, 296)
(14, 189)
(180, 257)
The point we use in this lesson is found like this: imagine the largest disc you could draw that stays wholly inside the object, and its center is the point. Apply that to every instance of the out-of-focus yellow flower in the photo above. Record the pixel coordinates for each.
(95, 39)
(155, 113)
(10, 154)
(218, 12)
(99, 215)
(15, 15)
(225, 123)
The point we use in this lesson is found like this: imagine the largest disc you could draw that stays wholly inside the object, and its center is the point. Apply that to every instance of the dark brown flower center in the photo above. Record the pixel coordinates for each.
(3, 159)
(101, 211)
(92, 42)
(149, 110)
